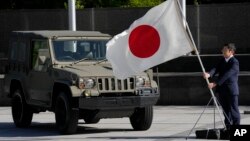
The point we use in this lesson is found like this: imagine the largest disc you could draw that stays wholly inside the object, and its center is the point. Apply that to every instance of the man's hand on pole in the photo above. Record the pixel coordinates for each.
(206, 75)
(210, 85)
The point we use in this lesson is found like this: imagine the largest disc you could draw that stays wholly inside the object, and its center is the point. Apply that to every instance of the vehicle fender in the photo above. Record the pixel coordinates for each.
(11, 83)
(74, 90)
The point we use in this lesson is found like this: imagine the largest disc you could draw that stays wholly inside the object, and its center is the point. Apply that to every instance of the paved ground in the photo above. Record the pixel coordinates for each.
(171, 123)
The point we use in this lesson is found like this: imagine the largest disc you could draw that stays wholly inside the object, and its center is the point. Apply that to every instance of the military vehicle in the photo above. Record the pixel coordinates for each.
(66, 72)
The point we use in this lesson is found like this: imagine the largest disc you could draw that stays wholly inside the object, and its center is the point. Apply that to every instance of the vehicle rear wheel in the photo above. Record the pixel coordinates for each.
(66, 115)
(142, 118)
(21, 112)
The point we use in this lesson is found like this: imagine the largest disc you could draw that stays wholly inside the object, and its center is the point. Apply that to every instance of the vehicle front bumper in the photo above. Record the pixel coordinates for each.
(117, 102)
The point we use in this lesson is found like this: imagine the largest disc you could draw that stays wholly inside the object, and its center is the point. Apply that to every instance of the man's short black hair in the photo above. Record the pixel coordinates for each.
(230, 46)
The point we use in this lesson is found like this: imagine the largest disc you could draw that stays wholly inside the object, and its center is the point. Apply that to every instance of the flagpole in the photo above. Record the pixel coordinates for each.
(201, 64)
(204, 71)
(183, 6)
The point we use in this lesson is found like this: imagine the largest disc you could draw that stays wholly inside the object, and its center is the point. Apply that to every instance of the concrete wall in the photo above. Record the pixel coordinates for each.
(4, 100)
(213, 25)
(191, 89)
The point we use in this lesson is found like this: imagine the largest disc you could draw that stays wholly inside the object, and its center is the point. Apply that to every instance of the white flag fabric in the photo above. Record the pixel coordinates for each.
(157, 37)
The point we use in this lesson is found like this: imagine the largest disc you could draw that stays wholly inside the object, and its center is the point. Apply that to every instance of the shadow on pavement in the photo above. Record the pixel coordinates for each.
(8, 129)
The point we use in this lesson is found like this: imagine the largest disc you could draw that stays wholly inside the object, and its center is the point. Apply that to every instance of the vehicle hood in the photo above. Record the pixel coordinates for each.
(90, 70)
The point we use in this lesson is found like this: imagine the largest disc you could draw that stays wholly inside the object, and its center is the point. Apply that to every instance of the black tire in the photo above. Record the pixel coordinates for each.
(66, 116)
(142, 118)
(21, 112)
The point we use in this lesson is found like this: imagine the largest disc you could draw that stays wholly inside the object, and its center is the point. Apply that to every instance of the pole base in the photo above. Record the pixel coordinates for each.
(246, 112)
(212, 134)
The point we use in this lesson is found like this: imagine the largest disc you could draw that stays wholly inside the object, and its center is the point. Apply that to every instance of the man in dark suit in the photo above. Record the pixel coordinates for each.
(227, 84)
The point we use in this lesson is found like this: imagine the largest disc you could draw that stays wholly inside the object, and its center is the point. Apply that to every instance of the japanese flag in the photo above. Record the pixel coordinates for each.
(155, 38)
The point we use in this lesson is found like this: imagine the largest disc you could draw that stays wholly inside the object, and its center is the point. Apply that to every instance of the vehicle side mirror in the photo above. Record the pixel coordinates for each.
(42, 60)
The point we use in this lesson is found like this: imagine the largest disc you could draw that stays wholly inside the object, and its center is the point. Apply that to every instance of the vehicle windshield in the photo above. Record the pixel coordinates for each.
(75, 50)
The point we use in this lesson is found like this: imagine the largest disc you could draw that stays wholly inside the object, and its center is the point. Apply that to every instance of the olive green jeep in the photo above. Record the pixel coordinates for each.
(66, 72)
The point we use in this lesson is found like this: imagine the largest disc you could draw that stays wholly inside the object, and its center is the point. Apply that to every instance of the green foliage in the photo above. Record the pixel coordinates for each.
(120, 3)
(104, 3)
(196, 2)
(144, 3)
(78, 3)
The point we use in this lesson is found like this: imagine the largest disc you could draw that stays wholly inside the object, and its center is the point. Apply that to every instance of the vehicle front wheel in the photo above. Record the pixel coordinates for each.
(66, 115)
(21, 112)
(142, 118)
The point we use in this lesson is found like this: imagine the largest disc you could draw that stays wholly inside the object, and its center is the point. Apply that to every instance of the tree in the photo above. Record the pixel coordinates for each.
(144, 3)
(32, 4)
(78, 4)
(104, 3)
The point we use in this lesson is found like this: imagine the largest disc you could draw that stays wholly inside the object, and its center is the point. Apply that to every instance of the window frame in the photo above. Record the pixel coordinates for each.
(32, 46)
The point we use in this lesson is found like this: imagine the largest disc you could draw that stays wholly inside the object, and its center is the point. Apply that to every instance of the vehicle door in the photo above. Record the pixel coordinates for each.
(39, 77)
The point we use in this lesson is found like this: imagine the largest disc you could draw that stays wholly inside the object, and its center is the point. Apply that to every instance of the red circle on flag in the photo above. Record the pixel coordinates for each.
(144, 41)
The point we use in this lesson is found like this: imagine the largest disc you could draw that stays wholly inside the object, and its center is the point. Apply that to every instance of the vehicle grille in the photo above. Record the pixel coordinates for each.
(115, 85)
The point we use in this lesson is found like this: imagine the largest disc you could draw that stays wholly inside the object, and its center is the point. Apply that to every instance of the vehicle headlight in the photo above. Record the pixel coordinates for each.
(86, 83)
(89, 83)
(142, 81)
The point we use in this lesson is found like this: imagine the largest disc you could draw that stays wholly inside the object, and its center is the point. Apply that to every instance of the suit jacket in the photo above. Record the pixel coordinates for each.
(227, 82)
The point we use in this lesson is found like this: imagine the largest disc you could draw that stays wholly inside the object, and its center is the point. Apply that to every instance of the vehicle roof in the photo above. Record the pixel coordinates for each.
(58, 33)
